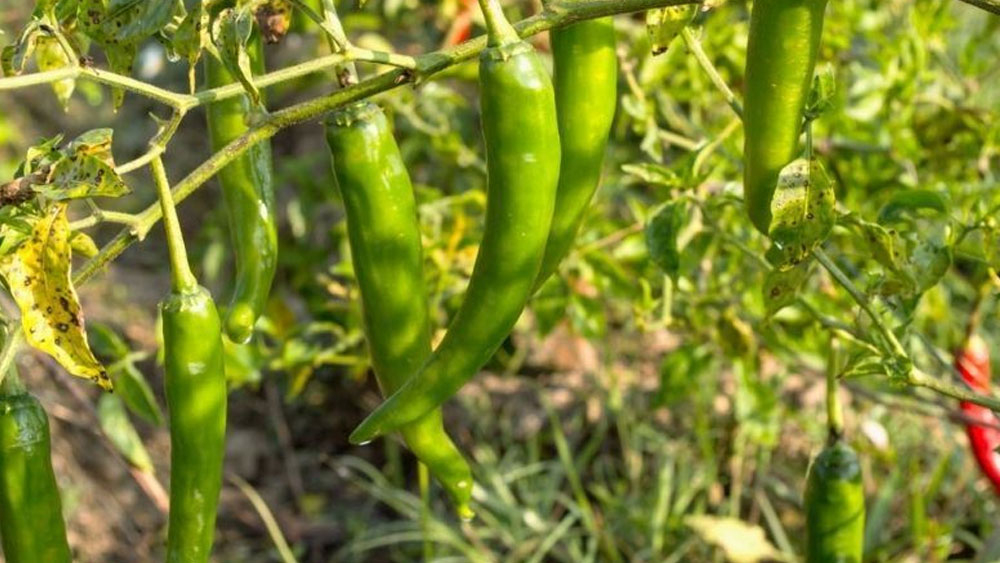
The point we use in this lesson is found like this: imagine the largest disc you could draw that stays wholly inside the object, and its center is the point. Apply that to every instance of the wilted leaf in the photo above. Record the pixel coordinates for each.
(96, 142)
(50, 55)
(274, 17)
(741, 542)
(191, 37)
(14, 58)
(38, 274)
(119, 430)
(802, 210)
(665, 24)
(230, 33)
(661, 237)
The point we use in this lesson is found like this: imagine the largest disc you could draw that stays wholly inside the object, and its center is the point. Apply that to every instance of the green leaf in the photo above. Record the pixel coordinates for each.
(781, 287)
(803, 212)
(119, 430)
(133, 388)
(661, 237)
(911, 202)
(665, 24)
(824, 88)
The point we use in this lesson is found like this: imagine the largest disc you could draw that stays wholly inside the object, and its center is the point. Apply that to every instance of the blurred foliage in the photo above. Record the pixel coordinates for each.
(695, 386)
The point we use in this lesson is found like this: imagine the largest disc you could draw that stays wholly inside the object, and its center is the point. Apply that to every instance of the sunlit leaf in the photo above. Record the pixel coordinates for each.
(665, 24)
(50, 55)
(82, 177)
(741, 542)
(38, 275)
(802, 211)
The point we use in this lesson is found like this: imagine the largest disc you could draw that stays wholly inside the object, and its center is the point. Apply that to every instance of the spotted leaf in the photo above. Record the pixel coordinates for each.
(38, 274)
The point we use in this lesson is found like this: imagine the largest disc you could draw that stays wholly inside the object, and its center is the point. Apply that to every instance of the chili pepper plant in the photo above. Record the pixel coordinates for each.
(499, 280)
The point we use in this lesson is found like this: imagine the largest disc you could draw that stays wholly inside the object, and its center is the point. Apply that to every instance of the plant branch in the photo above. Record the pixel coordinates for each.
(557, 14)
(992, 6)
(694, 46)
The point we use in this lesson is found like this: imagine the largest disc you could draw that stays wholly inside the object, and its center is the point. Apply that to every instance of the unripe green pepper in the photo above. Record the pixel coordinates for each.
(196, 398)
(586, 89)
(835, 506)
(384, 236)
(31, 519)
(781, 57)
(522, 157)
(248, 192)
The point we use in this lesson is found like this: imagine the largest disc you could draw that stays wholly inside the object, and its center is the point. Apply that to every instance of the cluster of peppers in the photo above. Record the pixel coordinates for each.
(539, 188)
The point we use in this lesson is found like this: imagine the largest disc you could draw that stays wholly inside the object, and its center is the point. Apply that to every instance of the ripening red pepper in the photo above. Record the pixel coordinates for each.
(973, 362)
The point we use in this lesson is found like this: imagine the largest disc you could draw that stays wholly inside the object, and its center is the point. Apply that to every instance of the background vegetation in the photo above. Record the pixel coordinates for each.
(632, 416)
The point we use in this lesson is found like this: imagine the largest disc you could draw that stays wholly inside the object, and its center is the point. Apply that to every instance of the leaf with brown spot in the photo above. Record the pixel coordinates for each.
(38, 274)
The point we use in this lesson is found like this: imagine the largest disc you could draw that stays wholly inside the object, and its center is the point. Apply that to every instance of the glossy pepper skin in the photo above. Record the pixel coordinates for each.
(248, 191)
(196, 398)
(522, 157)
(835, 506)
(586, 88)
(31, 520)
(384, 237)
(973, 363)
(781, 57)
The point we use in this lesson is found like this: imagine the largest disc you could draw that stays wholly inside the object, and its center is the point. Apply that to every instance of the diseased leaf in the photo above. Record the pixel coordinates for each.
(14, 58)
(274, 17)
(781, 287)
(49, 55)
(82, 177)
(102, 23)
(191, 37)
(38, 275)
(96, 142)
(665, 24)
(230, 33)
(802, 210)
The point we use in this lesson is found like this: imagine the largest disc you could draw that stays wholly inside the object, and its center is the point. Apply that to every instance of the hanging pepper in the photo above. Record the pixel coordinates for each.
(195, 381)
(781, 57)
(973, 363)
(31, 519)
(522, 157)
(248, 191)
(384, 236)
(586, 88)
(835, 506)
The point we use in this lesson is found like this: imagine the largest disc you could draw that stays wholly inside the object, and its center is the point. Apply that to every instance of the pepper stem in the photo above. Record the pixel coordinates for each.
(834, 410)
(11, 384)
(499, 30)
(182, 280)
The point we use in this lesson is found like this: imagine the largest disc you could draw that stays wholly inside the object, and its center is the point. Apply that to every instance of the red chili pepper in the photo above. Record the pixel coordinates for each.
(973, 362)
(461, 28)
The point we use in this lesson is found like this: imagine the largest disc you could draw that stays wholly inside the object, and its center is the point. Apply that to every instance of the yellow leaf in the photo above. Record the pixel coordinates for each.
(38, 274)
(82, 244)
(741, 542)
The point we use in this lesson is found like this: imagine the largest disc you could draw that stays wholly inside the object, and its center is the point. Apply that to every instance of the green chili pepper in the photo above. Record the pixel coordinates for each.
(31, 519)
(781, 56)
(835, 506)
(522, 156)
(586, 87)
(384, 236)
(248, 191)
(195, 381)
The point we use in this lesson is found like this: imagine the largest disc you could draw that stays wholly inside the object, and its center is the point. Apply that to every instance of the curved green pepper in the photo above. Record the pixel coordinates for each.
(196, 399)
(586, 87)
(384, 236)
(835, 507)
(522, 156)
(781, 57)
(248, 191)
(31, 519)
